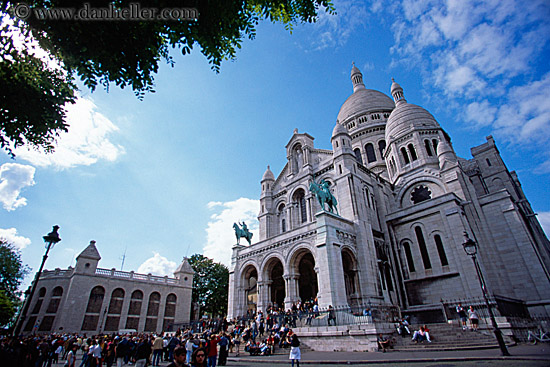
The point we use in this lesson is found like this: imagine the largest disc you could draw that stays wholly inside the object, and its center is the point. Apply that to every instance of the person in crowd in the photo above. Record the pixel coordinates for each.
(462, 315)
(122, 349)
(421, 335)
(190, 346)
(199, 358)
(295, 354)
(179, 357)
(71, 356)
(223, 343)
(403, 327)
(212, 349)
(474, 319)
(142, 353)
(173, 342)
(157, 350)
(331, 315)
(383, 342)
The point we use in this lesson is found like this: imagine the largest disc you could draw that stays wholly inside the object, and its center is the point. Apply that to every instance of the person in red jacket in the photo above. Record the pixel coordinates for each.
(212, 349)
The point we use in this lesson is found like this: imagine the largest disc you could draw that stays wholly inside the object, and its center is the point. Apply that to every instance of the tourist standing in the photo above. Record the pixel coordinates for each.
(71, 357)
(295, 354)
(474, 319)
(462, 315)
(157, 350)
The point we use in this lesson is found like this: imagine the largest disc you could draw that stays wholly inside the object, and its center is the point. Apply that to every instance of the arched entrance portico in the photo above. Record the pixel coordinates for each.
(349, 265)
(250, 287)
(307, 280)
(276, 293)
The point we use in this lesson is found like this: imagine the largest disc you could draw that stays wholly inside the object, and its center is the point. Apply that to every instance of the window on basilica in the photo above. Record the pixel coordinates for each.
(420, 193)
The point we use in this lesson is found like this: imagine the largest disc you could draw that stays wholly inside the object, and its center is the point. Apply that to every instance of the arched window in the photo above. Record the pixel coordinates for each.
(169, 311)
(134, 310)
(381, 147)
(115, 309)
(405, 155)
(428, 148)
(47, 321)
(441, 250)
(152, 312)
(93, 310)
(434, 144)
(412, 151)
(371, 156)
(38, 304)
(55, 300)
(423, 249)
(358, 158)
(409, 256)
(281, 213)
(300, 199)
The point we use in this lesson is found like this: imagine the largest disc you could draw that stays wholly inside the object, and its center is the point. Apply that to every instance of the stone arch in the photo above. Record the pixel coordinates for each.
(403, 195)
(273, 271)
(302, 266)
(280, 209)
(350, 270)
(249, 281)
(134, 309)
(93, 310)
(115, 309)
(299, 199)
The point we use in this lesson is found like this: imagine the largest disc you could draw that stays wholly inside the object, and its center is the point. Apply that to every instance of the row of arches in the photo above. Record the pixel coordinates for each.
(278, 284)
(50, 312)
(113, 312)
(370, 153)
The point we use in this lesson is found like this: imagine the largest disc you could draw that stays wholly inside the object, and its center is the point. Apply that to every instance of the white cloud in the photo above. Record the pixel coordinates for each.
(544, 219)
(525, 118)
(14, 178)
(480, 114)
(335, 30)
(220, 236)
(86, 142)
(158, 265)
(10, 236)
(481, 54)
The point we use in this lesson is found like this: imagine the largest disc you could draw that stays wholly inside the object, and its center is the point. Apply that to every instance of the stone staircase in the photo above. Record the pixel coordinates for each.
(450, 337)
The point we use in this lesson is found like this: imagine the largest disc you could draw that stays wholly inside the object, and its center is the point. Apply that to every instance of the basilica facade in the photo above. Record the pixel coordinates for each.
(405, 201)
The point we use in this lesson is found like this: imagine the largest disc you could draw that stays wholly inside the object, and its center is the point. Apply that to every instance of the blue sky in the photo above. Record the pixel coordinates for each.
(166, 177)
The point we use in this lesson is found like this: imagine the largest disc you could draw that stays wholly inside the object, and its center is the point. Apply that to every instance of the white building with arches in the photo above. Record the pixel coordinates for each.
(92, 300)
(404, 200)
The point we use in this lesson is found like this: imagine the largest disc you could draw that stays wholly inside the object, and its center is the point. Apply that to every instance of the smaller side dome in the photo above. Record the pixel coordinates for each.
(397, 92)
(268, 175)
(339, 129)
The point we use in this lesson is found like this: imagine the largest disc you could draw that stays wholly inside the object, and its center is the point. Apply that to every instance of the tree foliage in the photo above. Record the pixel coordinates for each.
(124, 53)
(210, 285)
(12, 272)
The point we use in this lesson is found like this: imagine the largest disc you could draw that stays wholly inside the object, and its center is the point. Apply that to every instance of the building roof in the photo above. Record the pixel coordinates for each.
(90, 252)
(363, 101)
(184, 267)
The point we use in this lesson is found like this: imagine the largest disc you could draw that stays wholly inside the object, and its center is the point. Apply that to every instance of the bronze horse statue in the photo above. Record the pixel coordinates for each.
(242, 233)
(324, 196)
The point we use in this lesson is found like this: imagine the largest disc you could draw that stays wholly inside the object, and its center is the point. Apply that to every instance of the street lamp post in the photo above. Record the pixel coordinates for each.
(50, 239)
(470, 247)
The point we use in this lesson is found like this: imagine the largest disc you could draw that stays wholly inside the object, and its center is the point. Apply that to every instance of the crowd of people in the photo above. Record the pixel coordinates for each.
(205, 344)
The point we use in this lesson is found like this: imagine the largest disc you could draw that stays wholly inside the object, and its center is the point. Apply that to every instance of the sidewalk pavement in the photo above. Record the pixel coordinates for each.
(521, 352)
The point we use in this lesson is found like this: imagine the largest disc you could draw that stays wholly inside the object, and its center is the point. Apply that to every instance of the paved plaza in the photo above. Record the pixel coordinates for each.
(521, 355)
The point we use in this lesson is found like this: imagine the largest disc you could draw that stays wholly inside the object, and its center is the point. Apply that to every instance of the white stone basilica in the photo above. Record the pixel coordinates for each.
(404, 201)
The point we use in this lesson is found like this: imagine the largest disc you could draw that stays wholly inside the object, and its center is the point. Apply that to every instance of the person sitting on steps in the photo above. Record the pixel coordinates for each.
(421, 335)
(383, 343)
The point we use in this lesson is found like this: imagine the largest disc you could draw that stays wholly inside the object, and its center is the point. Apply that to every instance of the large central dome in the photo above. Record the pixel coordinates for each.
(362, 101)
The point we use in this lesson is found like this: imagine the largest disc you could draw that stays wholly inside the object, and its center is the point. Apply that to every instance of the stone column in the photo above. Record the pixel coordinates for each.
(288, 294)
